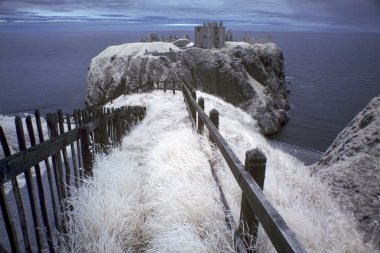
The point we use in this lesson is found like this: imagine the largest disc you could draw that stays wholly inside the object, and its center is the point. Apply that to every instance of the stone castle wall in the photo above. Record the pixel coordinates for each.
(210, 35)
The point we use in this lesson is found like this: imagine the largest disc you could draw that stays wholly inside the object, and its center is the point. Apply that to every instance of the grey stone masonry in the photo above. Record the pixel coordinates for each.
(210, 35)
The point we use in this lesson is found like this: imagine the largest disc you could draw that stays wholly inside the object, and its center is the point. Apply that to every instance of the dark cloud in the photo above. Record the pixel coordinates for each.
(346, 15)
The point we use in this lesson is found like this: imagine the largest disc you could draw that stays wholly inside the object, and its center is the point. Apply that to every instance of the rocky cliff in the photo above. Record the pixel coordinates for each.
(351, 165)
(249, 76)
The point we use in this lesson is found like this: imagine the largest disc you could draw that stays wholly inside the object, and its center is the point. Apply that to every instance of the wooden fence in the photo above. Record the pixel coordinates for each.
(255, 207)
(165, 86)
(67, 156)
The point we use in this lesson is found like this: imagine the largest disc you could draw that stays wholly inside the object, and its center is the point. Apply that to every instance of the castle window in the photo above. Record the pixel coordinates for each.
(198, 30)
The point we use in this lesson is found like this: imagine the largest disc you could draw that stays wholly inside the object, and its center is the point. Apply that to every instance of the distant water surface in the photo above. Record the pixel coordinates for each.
(332, 76)
(49, 70)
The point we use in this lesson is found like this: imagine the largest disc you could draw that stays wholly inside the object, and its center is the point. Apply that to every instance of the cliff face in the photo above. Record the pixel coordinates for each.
(249, 76)
(351, 165)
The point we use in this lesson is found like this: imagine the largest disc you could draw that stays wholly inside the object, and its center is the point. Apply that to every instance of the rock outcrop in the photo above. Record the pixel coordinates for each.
(249, 76)
(351, 165)
(181, 42)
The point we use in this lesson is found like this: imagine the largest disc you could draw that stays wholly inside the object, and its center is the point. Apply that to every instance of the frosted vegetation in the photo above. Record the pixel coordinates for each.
(156, 192)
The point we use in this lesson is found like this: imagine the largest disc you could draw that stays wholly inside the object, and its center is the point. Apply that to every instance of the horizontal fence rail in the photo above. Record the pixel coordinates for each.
(67, 157)
(282, 238)
(142, 88)
(18, 163)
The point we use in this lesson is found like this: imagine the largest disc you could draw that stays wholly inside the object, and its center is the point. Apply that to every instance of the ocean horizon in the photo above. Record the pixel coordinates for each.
(330, 76)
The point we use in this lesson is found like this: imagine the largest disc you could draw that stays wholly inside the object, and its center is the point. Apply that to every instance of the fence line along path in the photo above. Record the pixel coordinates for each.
(67, 156)
(255, 207)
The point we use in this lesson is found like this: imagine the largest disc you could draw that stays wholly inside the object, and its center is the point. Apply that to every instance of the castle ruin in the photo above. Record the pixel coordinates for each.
(210, 35)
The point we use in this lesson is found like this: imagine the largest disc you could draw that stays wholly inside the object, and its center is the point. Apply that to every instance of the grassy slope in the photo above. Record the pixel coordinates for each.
(156, 192)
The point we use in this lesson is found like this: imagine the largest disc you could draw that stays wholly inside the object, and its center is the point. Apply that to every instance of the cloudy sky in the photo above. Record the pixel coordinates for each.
(269, 15)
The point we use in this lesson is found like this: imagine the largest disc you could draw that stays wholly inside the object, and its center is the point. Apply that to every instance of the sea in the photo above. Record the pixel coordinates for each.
(330, 76)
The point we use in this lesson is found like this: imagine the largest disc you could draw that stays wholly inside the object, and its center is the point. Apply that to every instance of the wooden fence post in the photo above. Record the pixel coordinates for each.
(48, 169)
(118, 127)
(84, 116)
(122, 118)
(29, 184)
(73, 155)
(41, 191)
(77, 124)
(201, 103)
(214, 117)
(51, 119)
(164, 86)
(194, 93)
(127, 118)
(6, 211)
(96, 131)
(173, 87)
(80, 118)
(64, 152)
(193, 111)
(87, 157)
(103, 133)
(255, 162)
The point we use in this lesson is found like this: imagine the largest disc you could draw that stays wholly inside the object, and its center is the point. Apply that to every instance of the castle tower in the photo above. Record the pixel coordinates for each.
(210, 35)
(219, 36)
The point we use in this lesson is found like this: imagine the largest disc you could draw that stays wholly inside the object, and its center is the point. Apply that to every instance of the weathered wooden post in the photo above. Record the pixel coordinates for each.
(214, 117)
(123, 120)
(193, 111)
(255, 162)
(194, 94)
(173, 87)
(41, 191)
(80, 118)
(97, 140)
(128, 119)
(73, 155)
(165, 86)
(118, 127)
(29, 183)
(201, 103)
(51, 119)
(77, 124)
(109, 127)
(6, 211)
(85, 116)
(104, 132)
(64, 152)
(87, 157)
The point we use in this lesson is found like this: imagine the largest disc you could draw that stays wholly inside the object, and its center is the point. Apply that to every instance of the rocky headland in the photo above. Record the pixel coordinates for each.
(249, 76)
(351, 166)
(252, 77)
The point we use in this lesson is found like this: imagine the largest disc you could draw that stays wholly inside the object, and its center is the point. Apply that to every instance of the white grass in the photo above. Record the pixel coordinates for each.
(137, 49)
(302, 200)
(156, 192)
